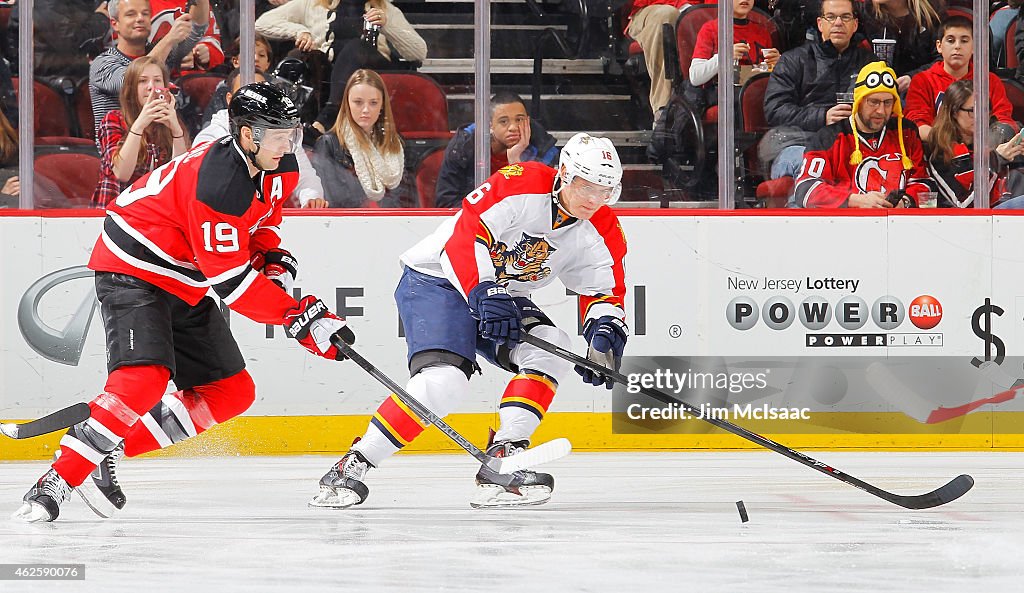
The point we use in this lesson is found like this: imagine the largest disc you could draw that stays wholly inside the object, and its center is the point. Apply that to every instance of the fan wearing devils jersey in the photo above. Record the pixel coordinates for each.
(873, 159)
(207, 54)
(466, 290)
(207, 219)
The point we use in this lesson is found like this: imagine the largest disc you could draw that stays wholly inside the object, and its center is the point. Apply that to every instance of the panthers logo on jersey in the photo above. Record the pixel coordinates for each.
(879, 173)
(524, 262)
(509, 171)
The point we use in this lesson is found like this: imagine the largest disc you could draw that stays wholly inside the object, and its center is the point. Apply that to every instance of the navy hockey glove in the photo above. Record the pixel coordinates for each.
(499, 317)
(278, 265)
(607, 338)
(312, 324)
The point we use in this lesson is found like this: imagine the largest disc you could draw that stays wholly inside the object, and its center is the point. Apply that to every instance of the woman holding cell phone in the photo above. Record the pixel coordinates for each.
(144, 134)
(951, 155)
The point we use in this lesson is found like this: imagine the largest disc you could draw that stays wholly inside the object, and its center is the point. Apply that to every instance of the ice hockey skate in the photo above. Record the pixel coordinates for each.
(527, 488)
(343, 486)
(101, 492)
(43, 499)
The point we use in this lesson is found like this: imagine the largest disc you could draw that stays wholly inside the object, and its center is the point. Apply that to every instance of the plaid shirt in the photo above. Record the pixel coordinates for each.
(112, 130)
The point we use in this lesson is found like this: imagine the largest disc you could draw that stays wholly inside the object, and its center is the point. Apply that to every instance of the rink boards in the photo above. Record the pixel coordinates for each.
(952, 286)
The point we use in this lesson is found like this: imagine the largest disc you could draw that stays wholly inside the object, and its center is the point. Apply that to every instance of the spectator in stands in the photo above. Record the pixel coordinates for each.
(310, 192)
(361, 159)
(263, 60)
(802, 90)
(956, 45)
(131, 20)
(9, 186)
(913, 25)
(645, 27)
(301, 21)
(951, 155)
(352, 49)
(871, 160)
(140, 136)
(752, 44)
(66, 34)
(514, 138)
(206, 55)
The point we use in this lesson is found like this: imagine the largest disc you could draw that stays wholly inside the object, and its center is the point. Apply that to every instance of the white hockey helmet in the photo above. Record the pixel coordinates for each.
(593, 159)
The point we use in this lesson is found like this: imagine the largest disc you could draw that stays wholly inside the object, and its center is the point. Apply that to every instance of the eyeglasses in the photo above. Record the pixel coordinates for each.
(969, 111)
(876, 103)
(846, 17)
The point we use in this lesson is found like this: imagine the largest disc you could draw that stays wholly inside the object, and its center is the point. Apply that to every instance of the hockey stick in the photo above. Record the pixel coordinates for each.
(58, 420)
(951, 491)
(543, 453)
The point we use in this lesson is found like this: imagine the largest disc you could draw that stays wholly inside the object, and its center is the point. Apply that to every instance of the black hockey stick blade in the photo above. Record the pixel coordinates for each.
(504, 466)
(953, 490)
(58, 420)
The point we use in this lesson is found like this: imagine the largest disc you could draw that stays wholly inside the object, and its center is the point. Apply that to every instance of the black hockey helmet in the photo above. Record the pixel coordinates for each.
(262, 106)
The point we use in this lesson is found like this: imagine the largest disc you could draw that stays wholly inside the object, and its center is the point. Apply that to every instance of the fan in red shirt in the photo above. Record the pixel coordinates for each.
(752, 43)
(207, 219)
(956, 44)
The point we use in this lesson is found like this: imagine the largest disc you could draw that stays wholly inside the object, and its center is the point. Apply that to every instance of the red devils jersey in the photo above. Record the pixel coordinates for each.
(194, 223)
(512, 231)
(827, 179)
(164, 14)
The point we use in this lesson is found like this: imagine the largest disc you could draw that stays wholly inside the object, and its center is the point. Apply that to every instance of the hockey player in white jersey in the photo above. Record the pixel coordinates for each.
(466, 290)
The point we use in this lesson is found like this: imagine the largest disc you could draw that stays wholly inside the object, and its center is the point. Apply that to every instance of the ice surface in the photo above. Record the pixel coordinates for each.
(620, 522)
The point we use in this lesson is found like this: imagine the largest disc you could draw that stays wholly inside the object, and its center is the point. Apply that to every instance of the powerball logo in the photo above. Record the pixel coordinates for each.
(851, 313)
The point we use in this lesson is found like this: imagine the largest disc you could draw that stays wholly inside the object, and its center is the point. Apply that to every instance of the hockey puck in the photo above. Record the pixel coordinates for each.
(743, 511)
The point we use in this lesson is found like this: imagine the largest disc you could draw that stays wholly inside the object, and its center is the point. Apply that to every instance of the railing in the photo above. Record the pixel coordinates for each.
(563, 47)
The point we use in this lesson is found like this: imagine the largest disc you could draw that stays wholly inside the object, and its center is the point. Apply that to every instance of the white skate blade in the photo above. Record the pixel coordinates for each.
(492, 496)
(9, 429)
(543, 453)
(95, 500)
(31, 512)
(331, 498)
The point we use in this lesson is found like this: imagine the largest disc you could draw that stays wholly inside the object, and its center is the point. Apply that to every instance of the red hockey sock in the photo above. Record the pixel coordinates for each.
(129, 392)
(184, 414)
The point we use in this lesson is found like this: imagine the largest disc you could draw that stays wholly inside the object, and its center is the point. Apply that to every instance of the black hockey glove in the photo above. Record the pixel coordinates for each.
(499, 317)
(278, 265)
(607, 338)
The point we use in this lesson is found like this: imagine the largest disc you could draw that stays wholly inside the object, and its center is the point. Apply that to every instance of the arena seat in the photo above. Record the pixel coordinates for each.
(420, 109)
(426, 178)
(200, 88)
(74, 174)
(50, 118)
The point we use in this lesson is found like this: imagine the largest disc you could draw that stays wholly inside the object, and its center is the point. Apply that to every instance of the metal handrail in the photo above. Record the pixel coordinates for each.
(563, 47)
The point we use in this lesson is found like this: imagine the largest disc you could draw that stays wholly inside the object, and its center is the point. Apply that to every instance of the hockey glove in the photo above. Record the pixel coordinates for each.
(607, 338)
(312, 324)
(499, 317)
(278, 265)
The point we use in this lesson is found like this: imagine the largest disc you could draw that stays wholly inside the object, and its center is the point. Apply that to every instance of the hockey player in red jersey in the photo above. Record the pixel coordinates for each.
(466, 290)
(207, 219)
(872, 159)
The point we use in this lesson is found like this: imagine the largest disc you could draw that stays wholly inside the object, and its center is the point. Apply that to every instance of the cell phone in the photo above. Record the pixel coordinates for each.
(161, 93)
(1019, 137)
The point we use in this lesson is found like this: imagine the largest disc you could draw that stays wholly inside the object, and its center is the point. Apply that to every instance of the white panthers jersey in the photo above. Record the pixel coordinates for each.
(512, 231)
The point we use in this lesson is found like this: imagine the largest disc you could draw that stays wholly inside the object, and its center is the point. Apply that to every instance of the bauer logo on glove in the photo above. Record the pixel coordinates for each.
(312, 324)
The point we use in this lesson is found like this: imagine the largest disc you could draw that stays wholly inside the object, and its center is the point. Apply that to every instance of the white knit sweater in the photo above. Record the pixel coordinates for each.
(296, 17)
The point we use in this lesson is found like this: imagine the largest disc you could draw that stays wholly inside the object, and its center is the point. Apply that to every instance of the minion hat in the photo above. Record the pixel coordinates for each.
(877, 77)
